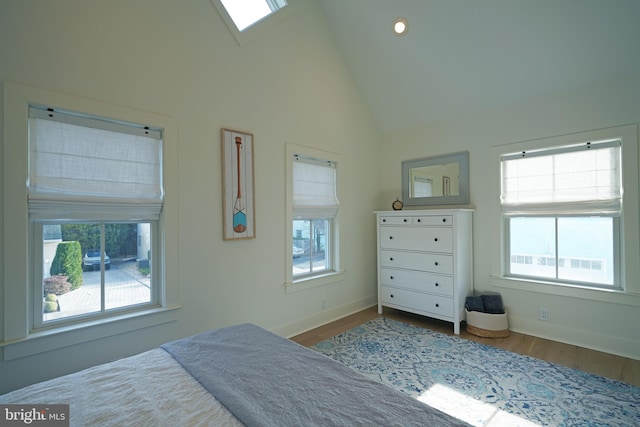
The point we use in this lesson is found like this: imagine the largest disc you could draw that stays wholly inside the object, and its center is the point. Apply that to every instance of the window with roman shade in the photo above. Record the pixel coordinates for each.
(562, 207)
(98, 181)
(312, 237)
(122, 246)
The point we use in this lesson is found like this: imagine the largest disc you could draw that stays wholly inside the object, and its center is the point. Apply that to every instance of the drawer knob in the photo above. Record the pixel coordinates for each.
(436, 284)
(444, 219)
(391, 295)
(390, 258)
(405, 220)
(384, 220)
(436, 263)
(390, 237)
(419, 220)
(391, 277)
(437, 305)
(435, 240)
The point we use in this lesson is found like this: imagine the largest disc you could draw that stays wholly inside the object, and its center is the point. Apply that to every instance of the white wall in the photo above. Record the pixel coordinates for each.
(608, 326)
(177, 58)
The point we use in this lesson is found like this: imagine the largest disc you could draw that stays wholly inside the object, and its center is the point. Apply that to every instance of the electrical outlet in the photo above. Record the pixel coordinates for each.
(543, 313)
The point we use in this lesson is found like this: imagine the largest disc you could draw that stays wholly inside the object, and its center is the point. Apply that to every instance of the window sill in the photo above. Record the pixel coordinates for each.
(614, 296)
(312, 282)
(64, 336)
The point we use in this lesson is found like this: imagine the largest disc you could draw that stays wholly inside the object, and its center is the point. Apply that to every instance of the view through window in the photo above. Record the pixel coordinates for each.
(94, 268)
(584, 250)
(310, 246)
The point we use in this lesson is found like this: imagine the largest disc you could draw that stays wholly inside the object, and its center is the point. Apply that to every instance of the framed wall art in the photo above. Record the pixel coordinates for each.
(238, 202)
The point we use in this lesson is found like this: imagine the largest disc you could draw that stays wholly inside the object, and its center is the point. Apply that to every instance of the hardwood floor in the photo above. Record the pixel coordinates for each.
(595, 362)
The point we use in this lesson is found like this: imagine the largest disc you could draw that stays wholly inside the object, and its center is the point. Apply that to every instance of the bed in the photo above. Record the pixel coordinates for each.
(239, 375)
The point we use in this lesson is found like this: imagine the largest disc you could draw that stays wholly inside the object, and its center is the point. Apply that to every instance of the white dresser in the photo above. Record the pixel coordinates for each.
(425, 262)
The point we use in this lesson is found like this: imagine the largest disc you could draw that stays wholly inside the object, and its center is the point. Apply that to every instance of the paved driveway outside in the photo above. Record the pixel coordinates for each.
(124, 285)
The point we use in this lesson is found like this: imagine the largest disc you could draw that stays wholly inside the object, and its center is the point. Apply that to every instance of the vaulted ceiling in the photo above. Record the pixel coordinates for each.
(464, 55)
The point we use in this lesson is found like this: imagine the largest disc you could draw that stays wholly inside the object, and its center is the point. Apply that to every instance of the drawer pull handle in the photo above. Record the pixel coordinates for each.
(437, 305)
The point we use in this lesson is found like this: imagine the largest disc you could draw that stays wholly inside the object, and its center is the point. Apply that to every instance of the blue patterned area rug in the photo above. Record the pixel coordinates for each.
(479, 384)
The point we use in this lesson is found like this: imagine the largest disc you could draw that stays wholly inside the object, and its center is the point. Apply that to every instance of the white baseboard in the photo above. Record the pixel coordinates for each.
(579, 337)
(325, 316)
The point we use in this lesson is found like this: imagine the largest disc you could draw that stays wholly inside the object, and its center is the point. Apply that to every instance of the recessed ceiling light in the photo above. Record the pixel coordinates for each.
(400, 26)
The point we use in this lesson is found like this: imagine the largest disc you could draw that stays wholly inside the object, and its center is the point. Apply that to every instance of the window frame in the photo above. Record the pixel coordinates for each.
(629, 230)
(335, 272)
(258, 28)
(18, 339)
(37, 321)
(328, 251)
(235, 9)
(617, 251)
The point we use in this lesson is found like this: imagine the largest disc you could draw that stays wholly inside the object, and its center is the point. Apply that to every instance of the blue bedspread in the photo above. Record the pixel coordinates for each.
(267, 380)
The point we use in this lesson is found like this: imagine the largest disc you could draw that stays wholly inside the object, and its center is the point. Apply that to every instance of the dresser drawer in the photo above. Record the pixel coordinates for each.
(396, 220)
(435, 304)
(435, 263)
(436, 239)
(417, 280)
(432, 220)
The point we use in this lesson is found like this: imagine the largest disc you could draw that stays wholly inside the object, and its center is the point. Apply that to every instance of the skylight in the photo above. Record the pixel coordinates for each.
(245, 13)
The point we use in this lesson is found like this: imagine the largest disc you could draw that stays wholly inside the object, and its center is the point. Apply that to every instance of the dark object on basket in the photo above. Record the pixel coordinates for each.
(474, 304)
(486, 316)
(492, 304)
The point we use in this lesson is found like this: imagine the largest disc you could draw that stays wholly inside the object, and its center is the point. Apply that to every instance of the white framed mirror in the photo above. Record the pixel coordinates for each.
(437, 180)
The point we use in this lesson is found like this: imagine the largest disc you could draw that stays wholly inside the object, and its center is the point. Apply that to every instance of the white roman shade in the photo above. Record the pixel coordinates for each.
(84, 167)
(314, 188)
(581, 179)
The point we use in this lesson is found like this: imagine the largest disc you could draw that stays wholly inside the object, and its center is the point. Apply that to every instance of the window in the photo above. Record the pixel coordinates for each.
(246, 19)
(37, 223)
(94, 197)
(247, 12)
(562, 209)
(422, 187)
(112, 270)
(315, 204)
(313, 214)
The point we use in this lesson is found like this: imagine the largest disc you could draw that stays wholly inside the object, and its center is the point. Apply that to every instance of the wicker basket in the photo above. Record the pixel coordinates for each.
(487, 325)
